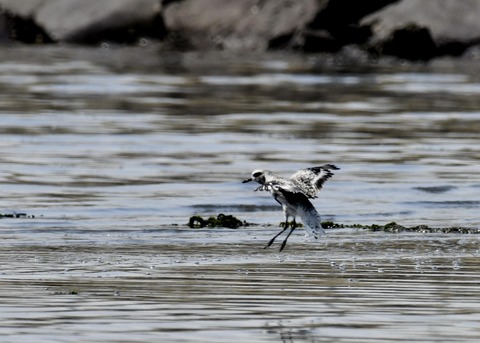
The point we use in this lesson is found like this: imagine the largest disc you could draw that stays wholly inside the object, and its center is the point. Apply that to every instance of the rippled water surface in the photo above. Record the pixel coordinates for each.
(110, 152)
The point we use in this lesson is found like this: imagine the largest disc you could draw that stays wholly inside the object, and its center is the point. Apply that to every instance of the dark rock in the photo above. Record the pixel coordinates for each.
(411, 43)
(90, 21)
(341, 19)
(446, 27)
(320, 41)
(341, 13)
(17, 28)
(4, 30)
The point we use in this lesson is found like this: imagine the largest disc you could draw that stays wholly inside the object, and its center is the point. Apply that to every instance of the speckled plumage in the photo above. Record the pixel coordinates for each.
(294, 194)
(311, 180)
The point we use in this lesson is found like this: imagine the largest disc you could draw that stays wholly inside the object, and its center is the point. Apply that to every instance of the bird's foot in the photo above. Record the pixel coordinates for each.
(269, 243)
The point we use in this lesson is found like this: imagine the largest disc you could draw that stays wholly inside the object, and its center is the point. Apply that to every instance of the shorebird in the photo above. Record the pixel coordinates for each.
(294, 194)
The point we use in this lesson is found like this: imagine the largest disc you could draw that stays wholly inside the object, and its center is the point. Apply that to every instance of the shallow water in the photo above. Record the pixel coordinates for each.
(112, 155)
(186, 285)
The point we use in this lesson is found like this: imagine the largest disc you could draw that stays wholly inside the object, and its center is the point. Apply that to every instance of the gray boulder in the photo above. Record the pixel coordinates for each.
(240, 24)
(250, 25)
(420, 29)
(87, 21)
(308, 25)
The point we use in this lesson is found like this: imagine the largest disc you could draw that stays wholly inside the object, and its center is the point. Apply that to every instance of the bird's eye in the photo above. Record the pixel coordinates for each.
(257, 174)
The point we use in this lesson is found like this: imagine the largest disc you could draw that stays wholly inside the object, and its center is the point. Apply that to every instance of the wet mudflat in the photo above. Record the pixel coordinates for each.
(112, 156)
(187, 285)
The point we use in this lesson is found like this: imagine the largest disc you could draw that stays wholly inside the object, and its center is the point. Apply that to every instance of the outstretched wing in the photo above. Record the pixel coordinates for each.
(310, 180)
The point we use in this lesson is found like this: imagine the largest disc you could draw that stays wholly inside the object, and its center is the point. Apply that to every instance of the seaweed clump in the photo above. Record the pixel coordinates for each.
(396, 228)
(332, 225)
(230, 221)
(221, 220)
(15, 215)
(393, 227)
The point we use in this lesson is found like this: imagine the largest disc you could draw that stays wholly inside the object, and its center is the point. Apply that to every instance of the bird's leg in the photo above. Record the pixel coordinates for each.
(278, 234)
(286, 219)
(273, 239)
(294, 226)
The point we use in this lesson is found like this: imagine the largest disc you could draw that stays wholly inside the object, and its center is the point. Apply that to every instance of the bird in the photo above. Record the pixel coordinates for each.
(294, 194)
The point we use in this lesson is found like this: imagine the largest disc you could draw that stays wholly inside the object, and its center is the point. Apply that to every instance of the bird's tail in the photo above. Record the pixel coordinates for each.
(311, 219)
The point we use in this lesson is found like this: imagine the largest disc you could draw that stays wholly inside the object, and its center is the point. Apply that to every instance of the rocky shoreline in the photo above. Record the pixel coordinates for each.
(408, 29)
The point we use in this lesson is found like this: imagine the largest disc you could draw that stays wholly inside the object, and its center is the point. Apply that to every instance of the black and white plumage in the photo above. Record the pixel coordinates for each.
(294, 194)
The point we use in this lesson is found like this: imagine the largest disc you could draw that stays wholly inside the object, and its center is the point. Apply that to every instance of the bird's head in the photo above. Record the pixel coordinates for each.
(258, 176)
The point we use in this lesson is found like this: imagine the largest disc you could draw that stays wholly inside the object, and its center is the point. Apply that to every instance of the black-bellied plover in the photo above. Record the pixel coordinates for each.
(293, 195)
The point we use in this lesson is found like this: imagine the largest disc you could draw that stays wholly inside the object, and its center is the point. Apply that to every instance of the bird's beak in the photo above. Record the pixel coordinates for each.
(247, 180)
